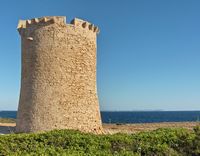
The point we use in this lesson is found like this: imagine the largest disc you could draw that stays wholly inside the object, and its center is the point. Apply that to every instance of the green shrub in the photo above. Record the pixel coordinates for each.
(161, 142)
(196, 142)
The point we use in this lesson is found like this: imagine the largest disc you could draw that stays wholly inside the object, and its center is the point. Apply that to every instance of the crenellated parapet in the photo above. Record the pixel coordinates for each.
(85, 25)
(42, 20)
(61, 20)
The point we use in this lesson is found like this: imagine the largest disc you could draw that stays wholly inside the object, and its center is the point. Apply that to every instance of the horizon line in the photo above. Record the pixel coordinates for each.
(156, 110)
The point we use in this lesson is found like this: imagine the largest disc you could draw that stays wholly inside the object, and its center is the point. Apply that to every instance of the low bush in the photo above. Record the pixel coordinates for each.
(161, 142)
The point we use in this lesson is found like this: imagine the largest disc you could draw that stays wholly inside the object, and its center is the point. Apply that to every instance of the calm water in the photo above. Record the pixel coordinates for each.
(136, 117)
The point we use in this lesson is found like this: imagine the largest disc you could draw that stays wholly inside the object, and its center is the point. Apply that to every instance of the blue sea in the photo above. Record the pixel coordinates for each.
(136, 116)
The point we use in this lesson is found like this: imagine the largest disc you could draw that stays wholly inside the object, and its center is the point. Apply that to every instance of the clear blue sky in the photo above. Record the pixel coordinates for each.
(148, 51)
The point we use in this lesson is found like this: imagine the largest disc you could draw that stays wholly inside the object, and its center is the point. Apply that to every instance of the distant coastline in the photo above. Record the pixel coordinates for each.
(129, 117)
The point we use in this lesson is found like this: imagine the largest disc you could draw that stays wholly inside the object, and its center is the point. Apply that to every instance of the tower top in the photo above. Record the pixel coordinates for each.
(61, 20)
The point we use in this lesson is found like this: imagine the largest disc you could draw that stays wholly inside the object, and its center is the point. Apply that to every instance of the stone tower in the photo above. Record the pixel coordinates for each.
(58, 81)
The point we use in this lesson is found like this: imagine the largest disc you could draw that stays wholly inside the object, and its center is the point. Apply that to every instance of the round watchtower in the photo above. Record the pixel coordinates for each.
(58, 80)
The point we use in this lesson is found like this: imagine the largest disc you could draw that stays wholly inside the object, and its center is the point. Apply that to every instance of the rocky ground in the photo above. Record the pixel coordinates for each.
(6, 128)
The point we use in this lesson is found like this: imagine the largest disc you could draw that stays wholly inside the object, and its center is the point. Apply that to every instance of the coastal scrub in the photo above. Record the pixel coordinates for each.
(161, 142)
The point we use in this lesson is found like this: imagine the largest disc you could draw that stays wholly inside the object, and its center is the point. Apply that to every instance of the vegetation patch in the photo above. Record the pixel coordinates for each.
(7, 120)
(161, 142)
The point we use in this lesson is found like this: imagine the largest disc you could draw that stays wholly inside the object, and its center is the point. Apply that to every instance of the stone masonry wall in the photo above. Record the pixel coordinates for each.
(58, 81)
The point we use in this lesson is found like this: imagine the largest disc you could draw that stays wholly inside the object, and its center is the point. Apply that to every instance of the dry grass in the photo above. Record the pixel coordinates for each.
(7, 120)
(125, 128)
(133, 128)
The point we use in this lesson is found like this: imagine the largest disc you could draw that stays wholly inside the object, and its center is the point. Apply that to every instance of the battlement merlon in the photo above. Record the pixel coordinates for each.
(23, 24)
